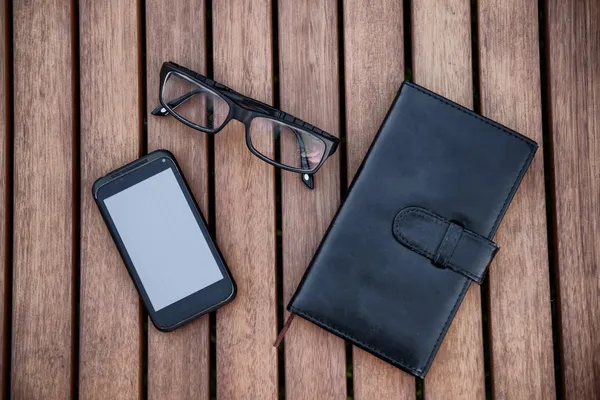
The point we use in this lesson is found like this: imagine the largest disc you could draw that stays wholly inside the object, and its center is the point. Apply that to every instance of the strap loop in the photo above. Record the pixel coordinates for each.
(448, 245)
(445, 243)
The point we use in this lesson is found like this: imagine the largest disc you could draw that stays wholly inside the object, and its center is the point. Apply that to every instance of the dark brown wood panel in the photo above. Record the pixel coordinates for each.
(5, 155)
(520, 321)
(574, 79)
(245, 208)
(178, 362)
(110, 312)
(44, 203)
(374, 70)
(315, 361)
(442, 62)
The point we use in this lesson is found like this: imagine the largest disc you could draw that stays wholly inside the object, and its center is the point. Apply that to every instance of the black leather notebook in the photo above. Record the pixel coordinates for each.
(415, 229)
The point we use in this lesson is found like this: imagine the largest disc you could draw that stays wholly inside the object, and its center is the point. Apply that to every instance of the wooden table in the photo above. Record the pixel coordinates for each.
(77, 82)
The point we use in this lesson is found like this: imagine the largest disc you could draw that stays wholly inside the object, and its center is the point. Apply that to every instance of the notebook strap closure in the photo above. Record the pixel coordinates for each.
(446, 244)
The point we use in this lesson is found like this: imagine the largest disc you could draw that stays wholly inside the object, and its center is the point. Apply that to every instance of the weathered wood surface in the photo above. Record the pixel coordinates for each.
(315, 361)
(520, 323)
(573, 34)
(442, 62)
(374, 70)
(110, 326)
(44, 202)
(245, 208)
(178, 363)
(5, 194)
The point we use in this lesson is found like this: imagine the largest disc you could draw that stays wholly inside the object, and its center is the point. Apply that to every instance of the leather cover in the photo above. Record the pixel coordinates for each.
(415, 229)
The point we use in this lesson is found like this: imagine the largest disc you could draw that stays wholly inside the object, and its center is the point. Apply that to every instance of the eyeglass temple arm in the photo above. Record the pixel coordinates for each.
(307, 179)
(161, 111)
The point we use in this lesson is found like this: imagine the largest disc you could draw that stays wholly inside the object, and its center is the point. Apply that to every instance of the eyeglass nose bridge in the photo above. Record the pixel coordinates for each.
(242, 115)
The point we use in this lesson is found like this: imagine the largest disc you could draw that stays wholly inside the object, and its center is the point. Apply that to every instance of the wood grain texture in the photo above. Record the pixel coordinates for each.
(574, 72)
(245, 208)
(315, 361)
(442, 63)
(42, 319)
(519, 315)
(110, 312)
(374, 71)
(178, 362)
(5, 194)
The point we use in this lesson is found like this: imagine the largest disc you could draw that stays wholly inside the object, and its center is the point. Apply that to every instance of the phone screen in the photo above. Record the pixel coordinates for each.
(163, 239)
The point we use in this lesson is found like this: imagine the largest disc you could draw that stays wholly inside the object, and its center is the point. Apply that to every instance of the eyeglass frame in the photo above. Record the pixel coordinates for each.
(243, 109)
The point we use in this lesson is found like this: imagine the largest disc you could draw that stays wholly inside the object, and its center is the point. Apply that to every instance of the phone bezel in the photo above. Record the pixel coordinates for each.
(198, 303)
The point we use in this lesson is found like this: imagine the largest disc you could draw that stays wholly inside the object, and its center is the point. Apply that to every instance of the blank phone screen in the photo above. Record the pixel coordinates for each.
(163, 239)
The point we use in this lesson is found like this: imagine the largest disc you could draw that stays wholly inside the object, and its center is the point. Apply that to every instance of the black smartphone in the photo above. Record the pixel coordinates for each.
(163, 240)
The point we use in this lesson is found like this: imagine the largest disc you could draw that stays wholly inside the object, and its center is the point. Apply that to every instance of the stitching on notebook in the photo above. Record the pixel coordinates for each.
(476, 116)
(510, 194)
(342, 333)
(464, 272)
(413, 246)
(480, 239)
(439, 339)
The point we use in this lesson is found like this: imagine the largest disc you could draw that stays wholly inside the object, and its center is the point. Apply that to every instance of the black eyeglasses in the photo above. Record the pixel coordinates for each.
(206, 105)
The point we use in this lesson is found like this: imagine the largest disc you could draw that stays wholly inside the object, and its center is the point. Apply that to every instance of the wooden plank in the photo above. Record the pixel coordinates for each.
(110, 312)
(5, 194)
(315, 361)
(574, 68)
(374, 70)
(519, 314)
(178, 362)
(44, 203)
(245, 208)
(442, 62)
